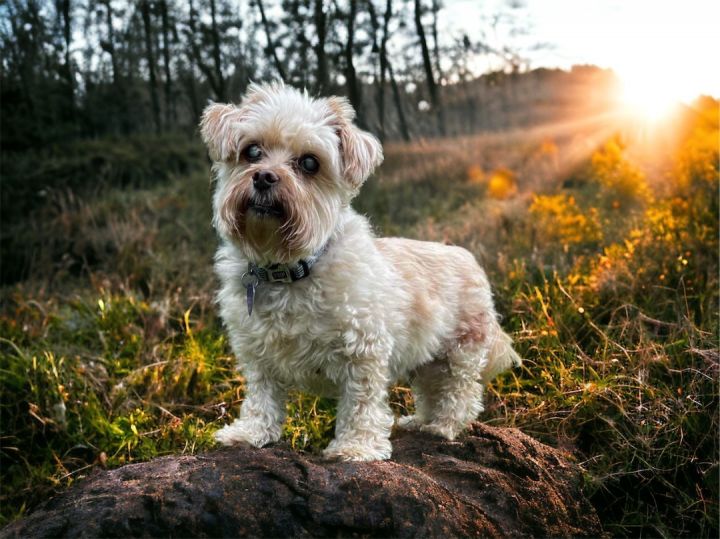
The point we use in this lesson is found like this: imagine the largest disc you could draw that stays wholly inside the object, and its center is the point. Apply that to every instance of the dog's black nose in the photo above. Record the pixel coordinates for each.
(264, 180)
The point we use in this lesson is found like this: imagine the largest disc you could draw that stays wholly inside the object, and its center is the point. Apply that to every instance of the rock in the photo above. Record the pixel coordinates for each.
(490, 482)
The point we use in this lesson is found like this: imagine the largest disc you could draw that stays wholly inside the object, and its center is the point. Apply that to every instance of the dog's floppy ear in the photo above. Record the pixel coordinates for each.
(218, 122)
(361, 151)
(216, 129)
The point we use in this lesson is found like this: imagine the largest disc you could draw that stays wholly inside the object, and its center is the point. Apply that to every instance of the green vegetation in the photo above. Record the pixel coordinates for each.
(606, 274)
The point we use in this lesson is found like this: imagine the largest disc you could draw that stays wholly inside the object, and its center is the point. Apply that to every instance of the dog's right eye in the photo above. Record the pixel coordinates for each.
(252, 153)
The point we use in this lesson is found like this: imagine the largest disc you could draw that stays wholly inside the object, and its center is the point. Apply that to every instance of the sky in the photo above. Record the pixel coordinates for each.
(673, 44)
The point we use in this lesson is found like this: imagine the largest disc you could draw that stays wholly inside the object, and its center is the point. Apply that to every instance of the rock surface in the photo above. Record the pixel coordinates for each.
(490, 482)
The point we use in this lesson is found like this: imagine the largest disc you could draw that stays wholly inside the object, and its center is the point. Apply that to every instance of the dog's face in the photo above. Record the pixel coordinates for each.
(285, 165)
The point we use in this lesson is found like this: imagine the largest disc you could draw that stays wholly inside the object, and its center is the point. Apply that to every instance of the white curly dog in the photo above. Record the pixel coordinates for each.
(312, 300)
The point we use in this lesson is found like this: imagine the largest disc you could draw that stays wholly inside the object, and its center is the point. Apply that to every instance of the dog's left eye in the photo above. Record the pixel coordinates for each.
(309, 164)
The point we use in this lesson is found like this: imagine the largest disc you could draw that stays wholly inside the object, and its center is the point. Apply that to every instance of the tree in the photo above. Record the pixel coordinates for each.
(64, 9)
(271, 47)
(427, 64)
(170, 111)
(299, 15)
(351, 79)
(436, 41)
(150, 55)
(214, 75)
(152, 64)
(322, 82)
(217, 57)
(385, 69)
(108, 45)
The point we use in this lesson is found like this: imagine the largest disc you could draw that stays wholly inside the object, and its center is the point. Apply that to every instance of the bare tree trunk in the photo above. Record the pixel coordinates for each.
(109, 46)
(404, 131)
(320, 19)
(189, 81)
(170, 112)
(380, 75)
(118, 83)
(64, 8)
(427, 64)
(196, 58)
(130, 61)
(386, 69)
(25, 76)
(216, 51)
(150, 56)
(436, 44)
(270, 43)
(353, 86)
(384, 64)
(382, 70)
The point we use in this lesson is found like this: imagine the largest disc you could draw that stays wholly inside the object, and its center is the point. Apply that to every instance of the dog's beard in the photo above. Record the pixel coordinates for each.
(283, 226)
(263, 207)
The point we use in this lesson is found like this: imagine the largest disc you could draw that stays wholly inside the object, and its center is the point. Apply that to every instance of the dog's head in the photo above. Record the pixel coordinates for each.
(285, 165)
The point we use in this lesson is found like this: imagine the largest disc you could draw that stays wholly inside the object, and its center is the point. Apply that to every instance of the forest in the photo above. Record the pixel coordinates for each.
(598, 230)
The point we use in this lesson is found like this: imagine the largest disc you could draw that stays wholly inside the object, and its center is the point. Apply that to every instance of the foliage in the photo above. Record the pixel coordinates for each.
(502, 184)
(618, 177)
(87, 384)
(53, 183)
(559, 219)
(614, 308)
(622, 348)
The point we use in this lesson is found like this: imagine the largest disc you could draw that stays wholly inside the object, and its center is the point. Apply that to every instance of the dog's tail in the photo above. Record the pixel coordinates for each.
(501, 355)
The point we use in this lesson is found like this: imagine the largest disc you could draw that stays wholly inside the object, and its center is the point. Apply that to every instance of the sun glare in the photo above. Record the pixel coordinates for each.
(648, 95)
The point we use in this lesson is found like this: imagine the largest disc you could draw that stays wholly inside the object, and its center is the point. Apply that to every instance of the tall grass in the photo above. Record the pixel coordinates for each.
(45, 194)
(606, 275)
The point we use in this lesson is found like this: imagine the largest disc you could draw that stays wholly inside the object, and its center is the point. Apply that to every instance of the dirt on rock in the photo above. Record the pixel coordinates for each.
(490, 482)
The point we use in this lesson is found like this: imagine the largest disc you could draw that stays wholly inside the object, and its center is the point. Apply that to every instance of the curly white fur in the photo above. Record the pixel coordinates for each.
(374, 310)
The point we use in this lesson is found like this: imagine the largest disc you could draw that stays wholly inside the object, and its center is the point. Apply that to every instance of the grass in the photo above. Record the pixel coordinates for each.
(607, 276)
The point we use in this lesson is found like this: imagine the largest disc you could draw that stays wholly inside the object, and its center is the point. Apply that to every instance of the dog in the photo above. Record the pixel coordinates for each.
(313, 301)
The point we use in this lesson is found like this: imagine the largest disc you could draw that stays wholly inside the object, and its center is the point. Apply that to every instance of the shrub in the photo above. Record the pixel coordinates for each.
(557, 218)
(502, 184)
(622, 182)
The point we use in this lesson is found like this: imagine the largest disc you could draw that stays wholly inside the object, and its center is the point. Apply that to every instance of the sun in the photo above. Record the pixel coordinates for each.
(650, 99)
(649, 94)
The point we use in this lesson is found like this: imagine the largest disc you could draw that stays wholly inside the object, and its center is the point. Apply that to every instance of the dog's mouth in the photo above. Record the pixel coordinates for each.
(265, 208)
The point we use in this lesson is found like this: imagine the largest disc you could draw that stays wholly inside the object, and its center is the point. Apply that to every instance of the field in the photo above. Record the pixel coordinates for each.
(601, 244)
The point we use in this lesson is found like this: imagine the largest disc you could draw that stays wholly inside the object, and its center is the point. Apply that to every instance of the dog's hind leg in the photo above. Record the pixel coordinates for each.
(450, 396)
(446, 399)
(426, 384)
(449, 392)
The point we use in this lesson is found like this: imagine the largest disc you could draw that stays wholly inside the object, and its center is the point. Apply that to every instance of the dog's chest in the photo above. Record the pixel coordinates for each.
(297, 336)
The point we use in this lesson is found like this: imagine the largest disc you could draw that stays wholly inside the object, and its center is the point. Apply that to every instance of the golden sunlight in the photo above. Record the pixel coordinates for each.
(654, 80)
(661, 54)
(650, 96)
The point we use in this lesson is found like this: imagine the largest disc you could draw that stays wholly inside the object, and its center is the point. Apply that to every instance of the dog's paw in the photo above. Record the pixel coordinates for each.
(358, 451)
(409, 422)
(244, 432)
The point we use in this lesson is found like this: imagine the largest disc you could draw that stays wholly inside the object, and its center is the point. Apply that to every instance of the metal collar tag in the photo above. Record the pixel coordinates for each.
(250, 281)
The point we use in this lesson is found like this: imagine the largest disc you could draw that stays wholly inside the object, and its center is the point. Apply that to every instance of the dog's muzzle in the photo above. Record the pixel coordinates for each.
(267, 208)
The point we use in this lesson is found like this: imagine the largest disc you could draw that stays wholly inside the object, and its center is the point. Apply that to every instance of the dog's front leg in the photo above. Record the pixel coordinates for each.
(364, 417)
(262, 413)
